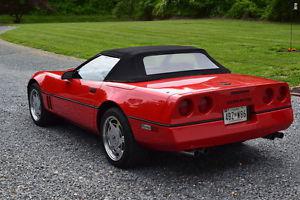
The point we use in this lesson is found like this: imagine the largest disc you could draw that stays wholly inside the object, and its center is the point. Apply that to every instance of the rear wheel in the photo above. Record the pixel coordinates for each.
(39, 114)
(118, 142)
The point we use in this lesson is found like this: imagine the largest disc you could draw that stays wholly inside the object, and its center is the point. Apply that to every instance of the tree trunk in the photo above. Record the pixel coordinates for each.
(18, 18)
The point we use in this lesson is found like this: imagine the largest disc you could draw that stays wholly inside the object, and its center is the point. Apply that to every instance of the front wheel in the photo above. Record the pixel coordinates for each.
(39, 114)
(118, 142)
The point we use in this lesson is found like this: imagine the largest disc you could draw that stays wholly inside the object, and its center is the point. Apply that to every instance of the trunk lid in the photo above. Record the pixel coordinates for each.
(225, 91)
(203, 83)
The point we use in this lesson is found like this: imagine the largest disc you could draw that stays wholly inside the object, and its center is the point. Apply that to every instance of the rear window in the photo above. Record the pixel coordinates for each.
(169, 63)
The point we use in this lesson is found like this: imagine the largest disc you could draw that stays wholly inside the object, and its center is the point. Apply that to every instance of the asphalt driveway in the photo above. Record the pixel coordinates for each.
(65, 162)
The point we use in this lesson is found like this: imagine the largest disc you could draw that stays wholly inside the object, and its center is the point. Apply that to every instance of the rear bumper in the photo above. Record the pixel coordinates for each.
(210, 134)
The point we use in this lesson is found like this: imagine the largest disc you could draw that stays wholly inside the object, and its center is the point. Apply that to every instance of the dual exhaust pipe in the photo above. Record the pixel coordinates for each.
(195, 153)
(273, 136)
(199, 152)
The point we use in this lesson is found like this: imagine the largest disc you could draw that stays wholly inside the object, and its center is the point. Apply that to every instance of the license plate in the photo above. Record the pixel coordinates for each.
(235, 115)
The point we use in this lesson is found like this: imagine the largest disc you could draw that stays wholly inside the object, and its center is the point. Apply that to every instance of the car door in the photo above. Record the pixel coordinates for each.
(83, 92)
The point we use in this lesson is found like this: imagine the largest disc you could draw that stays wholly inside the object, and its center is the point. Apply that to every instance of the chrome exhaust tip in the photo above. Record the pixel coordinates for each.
(273, 136)
(195, 153)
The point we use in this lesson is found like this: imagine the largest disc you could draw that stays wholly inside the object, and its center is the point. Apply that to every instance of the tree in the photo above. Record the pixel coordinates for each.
(126, 8)
(17, 8)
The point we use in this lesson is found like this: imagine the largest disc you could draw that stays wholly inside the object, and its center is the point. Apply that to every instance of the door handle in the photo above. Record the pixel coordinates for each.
(92, 90)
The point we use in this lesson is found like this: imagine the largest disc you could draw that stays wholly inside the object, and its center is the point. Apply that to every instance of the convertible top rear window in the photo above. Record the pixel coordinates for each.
(168, 63)
(158, 62)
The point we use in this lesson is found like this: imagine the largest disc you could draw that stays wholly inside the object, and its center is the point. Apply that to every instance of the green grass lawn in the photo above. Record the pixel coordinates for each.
(243, 46)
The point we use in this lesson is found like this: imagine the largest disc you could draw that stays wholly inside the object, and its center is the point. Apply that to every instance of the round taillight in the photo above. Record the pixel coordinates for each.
(185, 107)
(268, 96)
(205, 105)
(283, 93)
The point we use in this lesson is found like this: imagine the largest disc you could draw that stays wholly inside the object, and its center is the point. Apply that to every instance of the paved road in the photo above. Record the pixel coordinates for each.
(6, 28)
(64, 162)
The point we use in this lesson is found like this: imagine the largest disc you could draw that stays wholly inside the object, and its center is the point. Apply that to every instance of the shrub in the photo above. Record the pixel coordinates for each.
(278, 10)
(199, 8)
(86, 7)
(145, 9)
(244, 9)
(192, 8)
(221, 7)
(125, 8)
(166, 8)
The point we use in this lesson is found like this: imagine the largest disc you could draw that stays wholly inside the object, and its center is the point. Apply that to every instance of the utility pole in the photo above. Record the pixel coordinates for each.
(295, 8)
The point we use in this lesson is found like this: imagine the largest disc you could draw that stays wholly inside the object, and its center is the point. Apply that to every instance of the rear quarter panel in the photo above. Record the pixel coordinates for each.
(138, 102)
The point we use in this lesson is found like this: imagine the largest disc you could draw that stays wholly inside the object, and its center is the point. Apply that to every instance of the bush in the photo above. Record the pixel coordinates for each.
(221, 7)
(244, 9)
(125, 8)
(145, 9)
(192, 8)
(166, 8)
(83, 7)
(135, 9)
(278, 10)
(200, 8)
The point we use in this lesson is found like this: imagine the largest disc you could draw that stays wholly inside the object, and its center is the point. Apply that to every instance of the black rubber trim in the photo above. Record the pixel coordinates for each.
(73, 101)
(273, 109)
(176, 125)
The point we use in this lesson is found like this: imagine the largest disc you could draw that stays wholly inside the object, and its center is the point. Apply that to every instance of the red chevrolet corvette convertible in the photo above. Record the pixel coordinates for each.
(166, 98)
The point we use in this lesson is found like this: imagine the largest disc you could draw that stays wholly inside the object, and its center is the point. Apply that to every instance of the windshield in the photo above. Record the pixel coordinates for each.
(169, 63)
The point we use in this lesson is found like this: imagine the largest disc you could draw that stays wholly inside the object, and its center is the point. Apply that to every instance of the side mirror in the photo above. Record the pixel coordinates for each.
(67, 75)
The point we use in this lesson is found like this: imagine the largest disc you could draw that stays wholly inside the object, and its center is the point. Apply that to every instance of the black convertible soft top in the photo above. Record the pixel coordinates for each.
(149, 50)
(131, 67)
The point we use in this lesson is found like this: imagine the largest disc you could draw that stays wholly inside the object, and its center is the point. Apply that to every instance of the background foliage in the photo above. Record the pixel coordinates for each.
(17, 8)
(82, 6)
(275, 10)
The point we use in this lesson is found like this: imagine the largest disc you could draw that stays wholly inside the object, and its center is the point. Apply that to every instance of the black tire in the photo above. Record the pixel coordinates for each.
(45, 117)
(133, 153)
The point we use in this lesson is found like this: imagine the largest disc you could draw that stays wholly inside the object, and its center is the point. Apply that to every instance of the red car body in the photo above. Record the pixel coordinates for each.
(152, 107)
